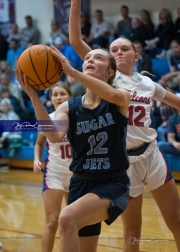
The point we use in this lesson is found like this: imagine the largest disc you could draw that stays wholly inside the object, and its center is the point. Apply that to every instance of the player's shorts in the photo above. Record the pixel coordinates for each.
(116, 189)
(148, 169)
(55, 180)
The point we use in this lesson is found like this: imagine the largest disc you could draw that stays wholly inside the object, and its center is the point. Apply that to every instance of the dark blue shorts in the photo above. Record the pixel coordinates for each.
(115, 189)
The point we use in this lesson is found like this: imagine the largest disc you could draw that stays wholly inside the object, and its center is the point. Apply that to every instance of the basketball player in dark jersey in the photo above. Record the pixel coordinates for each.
(147, 166)
(99, 188)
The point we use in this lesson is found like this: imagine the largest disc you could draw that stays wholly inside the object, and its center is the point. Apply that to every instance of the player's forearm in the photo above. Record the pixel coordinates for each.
(172, 100)
(75, 36)
(42, 115)
(74, 23)
(102, 89)
(38, 151)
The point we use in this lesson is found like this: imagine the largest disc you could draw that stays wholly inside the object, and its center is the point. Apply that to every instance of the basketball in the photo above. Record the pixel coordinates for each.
(42, 69)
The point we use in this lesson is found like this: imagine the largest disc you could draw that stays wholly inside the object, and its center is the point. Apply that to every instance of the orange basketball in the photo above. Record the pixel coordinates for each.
(42, 69)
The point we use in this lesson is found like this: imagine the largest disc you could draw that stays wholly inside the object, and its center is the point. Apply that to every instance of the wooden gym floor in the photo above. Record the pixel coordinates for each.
(22, 219)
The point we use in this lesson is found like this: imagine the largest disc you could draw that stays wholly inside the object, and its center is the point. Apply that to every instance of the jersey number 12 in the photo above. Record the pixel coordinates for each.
(136, 121)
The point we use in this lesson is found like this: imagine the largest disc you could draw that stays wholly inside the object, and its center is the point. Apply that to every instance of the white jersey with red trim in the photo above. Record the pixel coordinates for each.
(142, 89)
(59, 155)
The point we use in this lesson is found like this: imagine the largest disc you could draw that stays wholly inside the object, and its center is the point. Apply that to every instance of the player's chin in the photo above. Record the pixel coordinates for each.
(90, 72)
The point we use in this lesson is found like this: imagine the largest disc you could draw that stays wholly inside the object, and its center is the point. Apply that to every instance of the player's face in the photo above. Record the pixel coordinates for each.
(59, 95)
(96, 64)
(124, 54)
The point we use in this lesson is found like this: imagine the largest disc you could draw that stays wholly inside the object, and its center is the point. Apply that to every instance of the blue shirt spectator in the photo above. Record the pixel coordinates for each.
(13, 53)
(68, 52)
(173, 145)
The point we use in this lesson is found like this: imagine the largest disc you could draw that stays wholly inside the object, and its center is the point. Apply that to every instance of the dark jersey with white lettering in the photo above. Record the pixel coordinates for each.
(97, 137)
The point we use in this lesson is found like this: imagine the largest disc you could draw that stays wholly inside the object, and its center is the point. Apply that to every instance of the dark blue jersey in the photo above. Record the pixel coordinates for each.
(97, 137)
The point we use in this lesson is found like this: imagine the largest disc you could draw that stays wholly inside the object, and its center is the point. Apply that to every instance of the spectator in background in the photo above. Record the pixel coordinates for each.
(68, 52)
(172, 146)
(124, 27)
(5, 68)
(100, 31)
(177, 25)
(57, 31)
(29, 34)
(85, 27)
(13, 52)
(9, 140)
(169, 53)
(14, 33)
(147, 23)
(75, 86)
(172, 79)
(144, 63)
(3, 47)
(138, 32)
(165, 111)
(17, 92)
(22, 113)
(155, 111)
(164, 33)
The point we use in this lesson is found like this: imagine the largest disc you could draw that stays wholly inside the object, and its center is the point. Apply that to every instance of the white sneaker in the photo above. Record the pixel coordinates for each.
(161, 56)
(151, 43)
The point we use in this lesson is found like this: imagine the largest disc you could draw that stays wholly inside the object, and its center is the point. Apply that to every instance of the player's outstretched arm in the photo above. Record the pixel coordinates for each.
(41, 113)
(75, 36)
(172, 100)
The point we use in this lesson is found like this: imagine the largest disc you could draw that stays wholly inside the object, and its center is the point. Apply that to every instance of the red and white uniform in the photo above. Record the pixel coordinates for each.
(149, 168)
(56, 171)
(141, 93)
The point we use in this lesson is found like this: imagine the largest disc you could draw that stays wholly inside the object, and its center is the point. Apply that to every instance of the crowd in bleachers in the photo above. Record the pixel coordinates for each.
(161, 42)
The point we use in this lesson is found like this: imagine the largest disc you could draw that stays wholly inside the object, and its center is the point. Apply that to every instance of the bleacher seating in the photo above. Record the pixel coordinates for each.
(173, 162)
(159, 67)
(24, 156)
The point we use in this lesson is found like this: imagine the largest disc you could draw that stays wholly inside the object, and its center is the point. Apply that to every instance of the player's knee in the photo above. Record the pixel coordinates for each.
(52, 224)
(66, 222)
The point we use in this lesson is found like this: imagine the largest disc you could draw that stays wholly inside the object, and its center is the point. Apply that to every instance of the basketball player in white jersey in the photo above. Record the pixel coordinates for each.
(147, 164)
(56, 171)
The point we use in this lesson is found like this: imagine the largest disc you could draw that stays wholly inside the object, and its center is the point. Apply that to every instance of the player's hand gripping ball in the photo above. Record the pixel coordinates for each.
(42, 69)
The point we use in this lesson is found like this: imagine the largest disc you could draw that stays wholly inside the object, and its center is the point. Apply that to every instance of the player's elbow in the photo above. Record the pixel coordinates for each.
(121, 98)
(113, 96)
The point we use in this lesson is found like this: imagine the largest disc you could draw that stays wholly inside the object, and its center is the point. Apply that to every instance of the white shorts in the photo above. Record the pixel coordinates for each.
(56, 180)
(148, 169)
